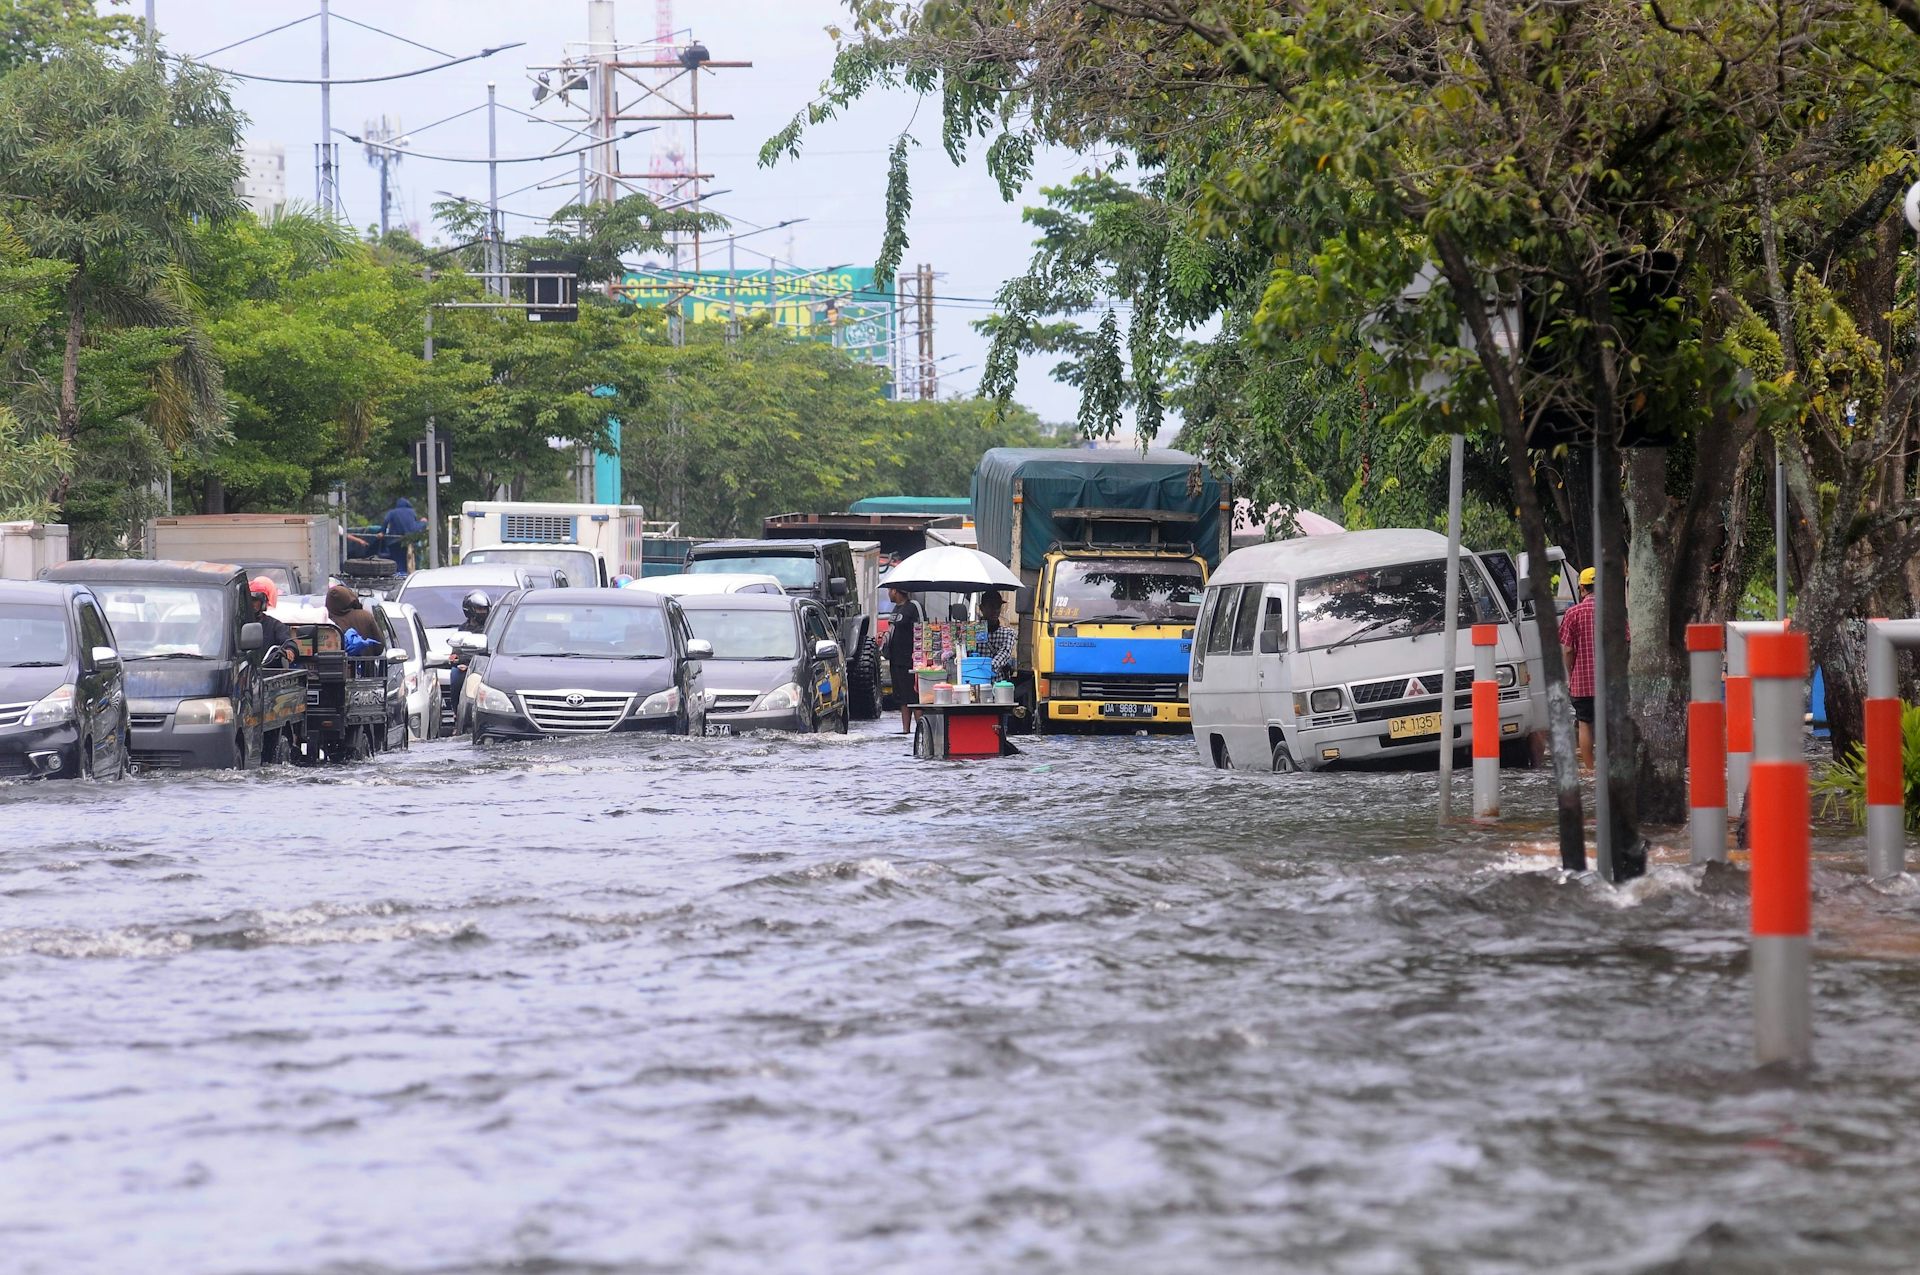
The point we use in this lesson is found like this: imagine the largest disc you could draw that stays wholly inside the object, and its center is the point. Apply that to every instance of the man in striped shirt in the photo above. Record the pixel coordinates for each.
(1576, 648)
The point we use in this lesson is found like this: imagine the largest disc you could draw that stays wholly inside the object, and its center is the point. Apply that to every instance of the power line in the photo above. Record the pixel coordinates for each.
(365, 79)
(517, 159)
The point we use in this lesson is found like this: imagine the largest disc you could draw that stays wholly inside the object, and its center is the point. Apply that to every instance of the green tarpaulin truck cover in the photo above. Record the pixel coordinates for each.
(1061, 478)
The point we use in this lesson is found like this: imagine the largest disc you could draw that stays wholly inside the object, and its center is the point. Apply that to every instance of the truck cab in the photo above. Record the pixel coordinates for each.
(1108, 634)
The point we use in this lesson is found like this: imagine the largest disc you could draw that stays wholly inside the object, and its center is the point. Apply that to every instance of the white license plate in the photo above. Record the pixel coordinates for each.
(1413, 727)
(1126, 710)
(719, 728)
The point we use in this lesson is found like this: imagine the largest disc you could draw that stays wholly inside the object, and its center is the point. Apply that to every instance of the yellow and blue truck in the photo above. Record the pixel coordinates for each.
(1112, 548)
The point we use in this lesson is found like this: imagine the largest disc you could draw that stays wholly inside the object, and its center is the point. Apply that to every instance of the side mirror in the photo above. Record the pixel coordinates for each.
(837, 587)
(398, 655)
(437, 662)
(1023, 600)
(1523, 590)
(253, 637)
(826, 650)
(467, 642)
(699, 649)
(105, 657)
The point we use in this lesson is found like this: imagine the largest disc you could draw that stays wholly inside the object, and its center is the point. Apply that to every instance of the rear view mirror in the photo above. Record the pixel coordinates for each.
(253, 637)
(826, 650)
(1023, 600)
(699, 649)
(105, 657)
(437, 662)
(837, 587)
(398, 656)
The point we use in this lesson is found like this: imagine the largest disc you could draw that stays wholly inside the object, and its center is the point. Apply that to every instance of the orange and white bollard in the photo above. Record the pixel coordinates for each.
(1740, 707)
(1486, 724)
(1781, 881)
(1706, 743)
(1886, 767)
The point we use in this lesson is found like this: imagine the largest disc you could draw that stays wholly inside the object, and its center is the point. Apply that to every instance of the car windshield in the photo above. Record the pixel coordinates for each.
(747, 635)
(1388, 602)
(439, 604)
(153, 621)
(577, 563)
(1151, 592)
(32, 634)
(597, 632)
(793, 571)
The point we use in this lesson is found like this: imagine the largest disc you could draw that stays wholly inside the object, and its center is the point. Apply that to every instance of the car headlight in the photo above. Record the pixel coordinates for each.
(1326, 700)
(662, 703)
(217, 711)
(57, 707)
(494, 701)
(1066, 688)
(1505, 676)
(779, 699)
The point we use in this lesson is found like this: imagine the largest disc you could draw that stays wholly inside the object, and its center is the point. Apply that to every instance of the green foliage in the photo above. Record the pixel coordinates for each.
(29, 469)
(1841, 787)
(34, 30)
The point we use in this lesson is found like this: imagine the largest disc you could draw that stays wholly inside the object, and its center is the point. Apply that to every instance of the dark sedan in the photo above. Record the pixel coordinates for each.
(775, 665)
(63, 695)
(587, 661)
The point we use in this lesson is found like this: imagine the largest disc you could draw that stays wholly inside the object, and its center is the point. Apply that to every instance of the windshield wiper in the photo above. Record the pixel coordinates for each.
(173, 655)
(1361, 632)
(36, 664)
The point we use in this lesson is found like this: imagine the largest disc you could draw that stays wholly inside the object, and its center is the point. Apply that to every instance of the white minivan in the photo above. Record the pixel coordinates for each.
(1329, 649)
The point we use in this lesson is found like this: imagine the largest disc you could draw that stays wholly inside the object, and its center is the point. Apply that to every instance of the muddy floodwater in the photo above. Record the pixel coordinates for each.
(808, 1005)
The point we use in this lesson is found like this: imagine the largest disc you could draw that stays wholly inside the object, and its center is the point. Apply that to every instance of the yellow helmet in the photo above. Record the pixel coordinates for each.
(1586, 577)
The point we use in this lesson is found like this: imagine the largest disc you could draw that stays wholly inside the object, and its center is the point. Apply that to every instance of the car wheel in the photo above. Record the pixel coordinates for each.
(84, 767)
(240, 751)
(270, 746)
(863, 683)
(840, 721)
(1283, 762)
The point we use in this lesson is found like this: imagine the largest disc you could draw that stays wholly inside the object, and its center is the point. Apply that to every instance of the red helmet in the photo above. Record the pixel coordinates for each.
(262, 585)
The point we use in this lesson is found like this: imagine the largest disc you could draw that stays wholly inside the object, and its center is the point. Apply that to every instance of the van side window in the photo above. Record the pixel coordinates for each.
(1273, 625)
(1220, 631)
(1246, 619)
(1201, 624)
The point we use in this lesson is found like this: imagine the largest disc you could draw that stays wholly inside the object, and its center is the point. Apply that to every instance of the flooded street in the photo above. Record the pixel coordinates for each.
(806, 1004)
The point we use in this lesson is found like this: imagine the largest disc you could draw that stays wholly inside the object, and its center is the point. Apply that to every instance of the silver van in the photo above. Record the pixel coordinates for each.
(1328, 649)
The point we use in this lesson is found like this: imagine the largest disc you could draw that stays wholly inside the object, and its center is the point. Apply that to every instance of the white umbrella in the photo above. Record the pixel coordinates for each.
(950, 569)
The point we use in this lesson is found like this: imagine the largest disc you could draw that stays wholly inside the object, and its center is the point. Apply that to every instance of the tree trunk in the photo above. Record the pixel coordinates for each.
(1623, 733)
(1658, 680)
(69, 417)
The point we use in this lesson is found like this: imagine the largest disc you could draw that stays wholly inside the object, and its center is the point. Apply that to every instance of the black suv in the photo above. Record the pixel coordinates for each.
(824, 570)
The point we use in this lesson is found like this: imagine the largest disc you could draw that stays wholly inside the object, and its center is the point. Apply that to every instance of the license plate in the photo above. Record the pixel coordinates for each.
(1126, 710)
(1414, 727)
(720, 728)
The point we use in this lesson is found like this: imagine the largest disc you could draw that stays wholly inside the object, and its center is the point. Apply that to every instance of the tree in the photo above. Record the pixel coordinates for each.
(104, 165)
(1606, 168)
(35, 30)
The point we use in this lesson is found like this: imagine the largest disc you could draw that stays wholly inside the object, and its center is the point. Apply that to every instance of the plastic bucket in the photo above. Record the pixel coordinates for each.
(925, 680)
(1003, 692)
(942, 693)
(976, 669)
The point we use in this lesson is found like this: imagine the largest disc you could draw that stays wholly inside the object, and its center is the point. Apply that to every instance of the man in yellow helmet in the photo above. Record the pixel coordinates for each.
(1577, 638)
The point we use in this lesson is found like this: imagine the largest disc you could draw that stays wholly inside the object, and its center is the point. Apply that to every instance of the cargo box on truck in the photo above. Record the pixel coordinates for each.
(590, 544)
(300, 550)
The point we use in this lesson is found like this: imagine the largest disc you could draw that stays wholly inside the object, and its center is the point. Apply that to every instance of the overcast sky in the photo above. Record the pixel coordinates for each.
(960, 224)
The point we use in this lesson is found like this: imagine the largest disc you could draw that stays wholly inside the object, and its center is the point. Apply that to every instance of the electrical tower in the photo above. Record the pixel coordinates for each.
(382, 136)
(915, 376)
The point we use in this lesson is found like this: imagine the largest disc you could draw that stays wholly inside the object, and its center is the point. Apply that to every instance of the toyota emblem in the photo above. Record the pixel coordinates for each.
(575, 700)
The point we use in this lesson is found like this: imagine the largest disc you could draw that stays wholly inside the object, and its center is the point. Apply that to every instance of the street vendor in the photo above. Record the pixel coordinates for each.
(998, 640)
(900, 646)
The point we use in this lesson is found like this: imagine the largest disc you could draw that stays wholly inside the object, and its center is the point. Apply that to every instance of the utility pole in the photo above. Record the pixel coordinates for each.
(603, 51)
(433, 454)
(149, 32)
(328, 194)
(929, 380)
(496, 256)
(733, 294)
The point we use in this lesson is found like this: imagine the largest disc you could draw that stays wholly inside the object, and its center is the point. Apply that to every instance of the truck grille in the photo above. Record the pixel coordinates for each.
(731, 701)
(1397, 687)
(10, 714)
(161, 759)
(147, 721)
(574, 712)
(1164, 690)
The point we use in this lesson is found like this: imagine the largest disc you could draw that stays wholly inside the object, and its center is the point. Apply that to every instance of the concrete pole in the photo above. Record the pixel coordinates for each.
(733, 290)
(1602, 767)
(433, 457)
(602, 51)
(496, 255)
(1450, 624)
(149, 32)
(326, 196)
(1706, 744)
(1486, 724)
(1780, 881)
(1779, 534)
(1886, 779)
(1740, 708)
